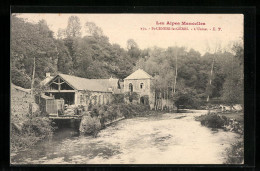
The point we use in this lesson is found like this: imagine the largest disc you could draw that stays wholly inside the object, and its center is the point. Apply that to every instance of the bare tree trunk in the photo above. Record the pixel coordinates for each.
(176, 73)
(232, 67)
(167, 99)
(160, 99)
(210, 79)
(33, 75)
(155, 101)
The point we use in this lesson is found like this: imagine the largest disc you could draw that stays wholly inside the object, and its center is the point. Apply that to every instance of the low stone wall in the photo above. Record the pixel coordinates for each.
(20, 102)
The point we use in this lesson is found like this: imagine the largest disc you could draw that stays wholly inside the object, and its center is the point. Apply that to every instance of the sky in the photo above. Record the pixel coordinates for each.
(121, 27)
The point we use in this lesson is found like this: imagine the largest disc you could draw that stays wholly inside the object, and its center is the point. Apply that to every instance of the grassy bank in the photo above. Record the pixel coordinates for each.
(28, 130)
(232, 121)
(238, 116)
(27, 126)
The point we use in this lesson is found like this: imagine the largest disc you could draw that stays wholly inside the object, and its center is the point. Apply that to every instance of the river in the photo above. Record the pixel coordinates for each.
(163, 139)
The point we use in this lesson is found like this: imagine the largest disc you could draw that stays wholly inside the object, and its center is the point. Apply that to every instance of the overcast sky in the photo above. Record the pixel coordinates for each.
(121, 27)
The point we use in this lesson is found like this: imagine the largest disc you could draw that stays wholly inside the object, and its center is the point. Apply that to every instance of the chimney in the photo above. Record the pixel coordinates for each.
(48, 74)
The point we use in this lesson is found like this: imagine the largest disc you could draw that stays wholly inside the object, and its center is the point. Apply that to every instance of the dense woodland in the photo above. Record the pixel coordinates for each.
(183, 75)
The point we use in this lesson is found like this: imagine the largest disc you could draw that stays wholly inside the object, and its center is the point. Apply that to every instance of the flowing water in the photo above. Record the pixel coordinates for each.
(162, 139)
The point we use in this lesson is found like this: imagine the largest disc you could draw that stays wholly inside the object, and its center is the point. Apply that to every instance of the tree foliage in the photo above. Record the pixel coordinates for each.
(28, 41)
(74, 27)
(233, 88)
(93, 56)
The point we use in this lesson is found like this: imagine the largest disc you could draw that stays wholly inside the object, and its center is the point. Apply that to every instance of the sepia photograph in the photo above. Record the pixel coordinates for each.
(126, 88)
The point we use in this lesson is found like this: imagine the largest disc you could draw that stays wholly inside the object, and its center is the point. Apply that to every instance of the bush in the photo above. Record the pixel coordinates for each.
(32, 130)
(235, 153)
(39, 126)
(99, 115)
(131, 110)
(234, 126)
(19, 78)
(212, 120)
(131, 96)
(90, 126)
(118, 98)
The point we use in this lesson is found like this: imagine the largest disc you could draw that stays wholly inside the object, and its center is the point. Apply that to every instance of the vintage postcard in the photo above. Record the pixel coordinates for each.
(127, 88)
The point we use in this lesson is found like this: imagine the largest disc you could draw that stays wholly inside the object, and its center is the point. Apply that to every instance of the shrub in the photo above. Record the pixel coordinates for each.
(20, 78)
(213, 120)
(131, 96)
(94, 112)
(234, 126)
(32, 130)
(118, 98)
(126, 112)
(99, 115)
(218, 121)
(90, 106)
(90, 126)
(39, 126)
(131, 110)
(235, 153)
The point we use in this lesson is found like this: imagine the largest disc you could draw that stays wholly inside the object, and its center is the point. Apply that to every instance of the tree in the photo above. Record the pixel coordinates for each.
(233, 88)
(131, 44)
(133, 49)
(33, 50)
(209, 86)
(64, 63)
(232, 92)
(19, 78)
(93, 29)
(61, 33)
(186, 98)
(176, 71)
(73, 28)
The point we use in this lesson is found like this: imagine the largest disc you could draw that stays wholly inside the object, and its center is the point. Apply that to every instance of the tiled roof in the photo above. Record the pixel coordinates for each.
(138, 74)
(79, 83)
(46, 80)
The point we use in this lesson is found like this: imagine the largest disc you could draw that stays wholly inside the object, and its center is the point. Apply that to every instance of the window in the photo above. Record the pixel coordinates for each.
(141, 85)
(81, 99)
(87, 97)
(131, 87)
(99, 99)
(95, 100)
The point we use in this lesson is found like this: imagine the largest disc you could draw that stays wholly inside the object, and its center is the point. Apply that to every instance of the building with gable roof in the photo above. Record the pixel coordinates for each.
(81, 91)
(140, 83)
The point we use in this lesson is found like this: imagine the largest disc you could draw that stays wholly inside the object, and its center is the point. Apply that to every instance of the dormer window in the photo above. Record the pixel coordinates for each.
(141, 85)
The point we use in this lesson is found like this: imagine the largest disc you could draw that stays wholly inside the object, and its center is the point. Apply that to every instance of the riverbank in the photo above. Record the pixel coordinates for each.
(170, 138)
(229, 122)
(100, 116)
(27, 125)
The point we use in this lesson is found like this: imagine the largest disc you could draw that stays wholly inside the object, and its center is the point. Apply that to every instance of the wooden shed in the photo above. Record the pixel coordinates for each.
(51, 106)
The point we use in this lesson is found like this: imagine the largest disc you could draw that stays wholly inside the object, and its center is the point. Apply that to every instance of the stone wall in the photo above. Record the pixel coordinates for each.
(136, 86)
(20, 102)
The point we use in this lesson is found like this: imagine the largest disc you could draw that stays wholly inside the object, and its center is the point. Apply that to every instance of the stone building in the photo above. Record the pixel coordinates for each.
(81, 91)
(139, 82)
